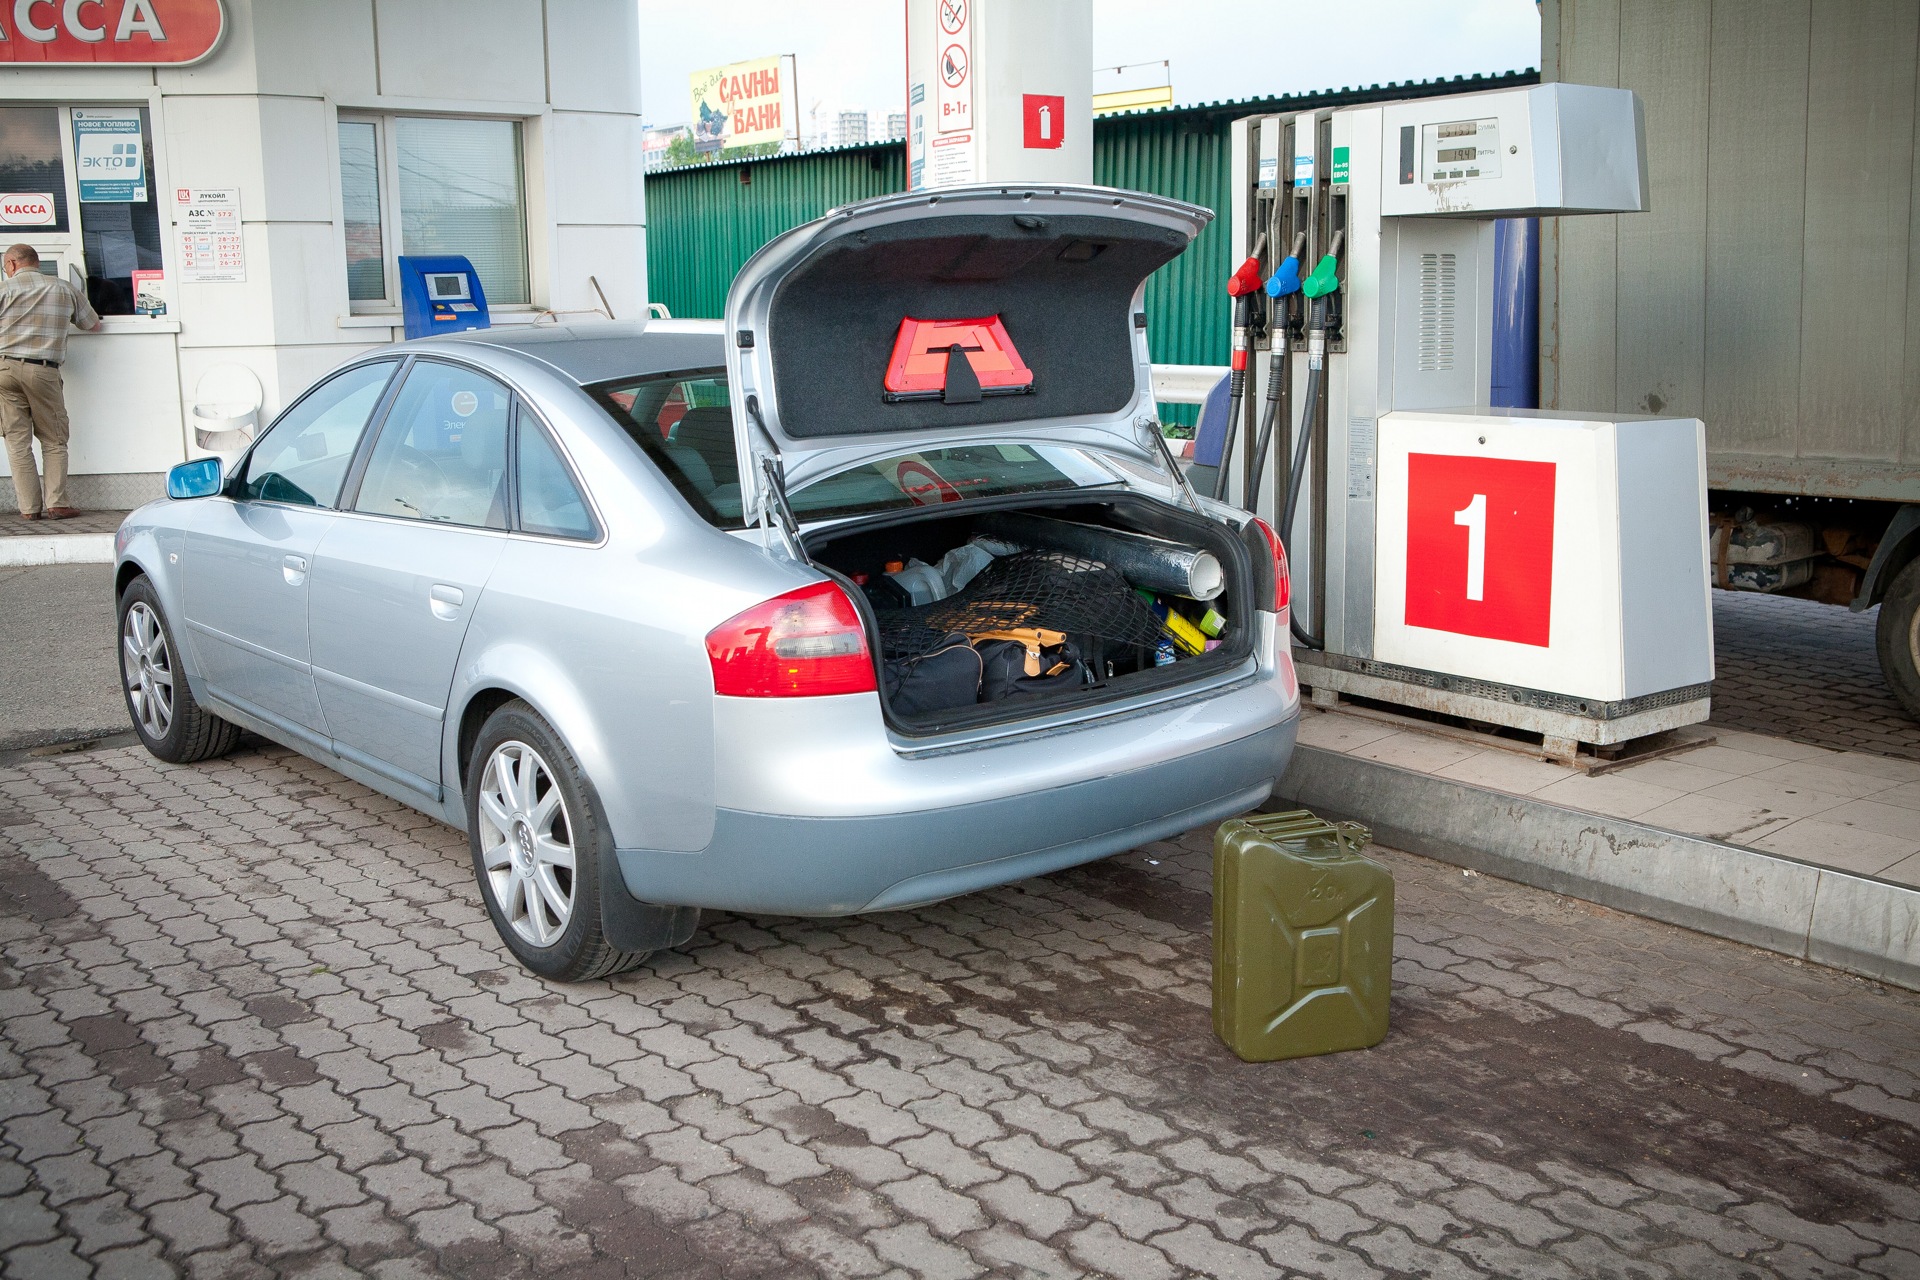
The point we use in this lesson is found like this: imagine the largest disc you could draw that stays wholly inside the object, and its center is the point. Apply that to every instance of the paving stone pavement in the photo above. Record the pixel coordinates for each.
(254, 1021)
(1805, 670)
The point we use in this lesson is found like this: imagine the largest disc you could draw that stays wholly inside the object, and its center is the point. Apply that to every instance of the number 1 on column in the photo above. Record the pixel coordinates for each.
(1474, 516)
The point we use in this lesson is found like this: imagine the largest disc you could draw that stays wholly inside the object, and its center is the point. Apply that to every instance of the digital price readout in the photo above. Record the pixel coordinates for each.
(1460, 149)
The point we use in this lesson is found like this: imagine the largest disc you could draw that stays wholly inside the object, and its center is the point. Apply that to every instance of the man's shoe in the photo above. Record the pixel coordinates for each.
(61, 513)
(29, 515)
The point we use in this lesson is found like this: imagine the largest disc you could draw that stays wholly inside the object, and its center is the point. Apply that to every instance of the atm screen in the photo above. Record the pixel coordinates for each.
(442, 286)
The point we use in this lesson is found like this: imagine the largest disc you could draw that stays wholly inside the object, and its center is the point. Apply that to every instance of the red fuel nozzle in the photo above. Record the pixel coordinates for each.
(1246, 280)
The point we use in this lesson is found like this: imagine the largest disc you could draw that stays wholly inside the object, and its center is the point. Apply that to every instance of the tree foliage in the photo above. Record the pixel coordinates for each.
(681, 152)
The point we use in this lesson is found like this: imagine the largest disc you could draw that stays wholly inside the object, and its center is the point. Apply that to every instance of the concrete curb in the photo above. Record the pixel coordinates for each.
(56, 548)
(1853, 922)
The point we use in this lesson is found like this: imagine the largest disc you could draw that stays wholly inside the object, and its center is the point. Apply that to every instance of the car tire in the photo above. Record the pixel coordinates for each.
(1897, 637)
(521, 836)
(169, 721)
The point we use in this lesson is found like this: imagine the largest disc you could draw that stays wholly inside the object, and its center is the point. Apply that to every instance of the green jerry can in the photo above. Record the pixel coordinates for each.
(1302, 937)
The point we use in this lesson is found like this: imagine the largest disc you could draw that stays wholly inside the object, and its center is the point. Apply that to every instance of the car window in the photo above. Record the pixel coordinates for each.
(303, 457)
(442, 452)
(684, 423)
(550, 501)
(930, 477)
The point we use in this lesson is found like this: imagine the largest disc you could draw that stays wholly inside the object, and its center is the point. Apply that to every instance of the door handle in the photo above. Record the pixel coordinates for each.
(445, 601)
(294, 570)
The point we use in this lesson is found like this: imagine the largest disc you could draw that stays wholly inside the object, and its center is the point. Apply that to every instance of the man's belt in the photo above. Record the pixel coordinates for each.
(51, 364)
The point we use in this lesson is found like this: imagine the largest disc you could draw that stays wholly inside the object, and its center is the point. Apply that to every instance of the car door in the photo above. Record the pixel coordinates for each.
(249, 553)
(397, 577)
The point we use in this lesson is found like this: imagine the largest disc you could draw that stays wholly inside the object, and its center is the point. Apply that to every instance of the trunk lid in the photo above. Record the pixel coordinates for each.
(814, 322)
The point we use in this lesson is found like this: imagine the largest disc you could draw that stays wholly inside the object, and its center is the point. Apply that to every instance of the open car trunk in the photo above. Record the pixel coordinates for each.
(1005, 609)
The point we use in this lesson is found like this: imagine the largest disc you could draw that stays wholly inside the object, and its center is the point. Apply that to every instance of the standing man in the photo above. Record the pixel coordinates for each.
(34, 311)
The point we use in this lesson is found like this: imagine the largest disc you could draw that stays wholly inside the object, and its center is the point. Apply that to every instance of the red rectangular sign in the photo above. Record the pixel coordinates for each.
(146, 33)
(1044, 120)
(1480, 546)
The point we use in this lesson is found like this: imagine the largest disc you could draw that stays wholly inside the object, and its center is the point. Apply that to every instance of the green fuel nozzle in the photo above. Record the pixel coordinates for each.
(1326, 277)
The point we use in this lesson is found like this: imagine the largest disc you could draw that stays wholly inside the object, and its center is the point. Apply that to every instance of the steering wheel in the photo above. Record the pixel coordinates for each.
(415, 478)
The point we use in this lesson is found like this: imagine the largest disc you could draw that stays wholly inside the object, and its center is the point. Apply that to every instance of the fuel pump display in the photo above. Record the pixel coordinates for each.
(1542, 571)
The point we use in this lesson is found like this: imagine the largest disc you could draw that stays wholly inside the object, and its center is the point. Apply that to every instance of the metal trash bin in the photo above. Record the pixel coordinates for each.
(1302, 937)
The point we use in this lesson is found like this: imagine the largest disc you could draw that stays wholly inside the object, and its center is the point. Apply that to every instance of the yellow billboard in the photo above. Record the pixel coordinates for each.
(744, 103)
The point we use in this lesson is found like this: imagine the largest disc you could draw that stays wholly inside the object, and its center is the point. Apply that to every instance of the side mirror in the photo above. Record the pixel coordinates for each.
(197, 479)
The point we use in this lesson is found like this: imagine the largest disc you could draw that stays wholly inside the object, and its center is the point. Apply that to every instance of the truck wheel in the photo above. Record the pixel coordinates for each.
(538, 839)
(1898, 637)
(169, 722)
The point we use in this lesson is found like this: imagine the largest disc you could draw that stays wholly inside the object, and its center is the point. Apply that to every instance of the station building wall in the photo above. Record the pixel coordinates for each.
(264, 113)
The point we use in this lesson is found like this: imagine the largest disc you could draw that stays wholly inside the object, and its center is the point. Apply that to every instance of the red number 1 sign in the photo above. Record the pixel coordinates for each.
(1480, 546)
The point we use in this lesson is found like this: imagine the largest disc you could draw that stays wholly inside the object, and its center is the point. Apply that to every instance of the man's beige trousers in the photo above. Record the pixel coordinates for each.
(31, 404)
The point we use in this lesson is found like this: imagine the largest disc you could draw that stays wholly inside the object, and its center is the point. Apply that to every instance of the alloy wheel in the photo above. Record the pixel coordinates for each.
(147, 665)
(526, 843)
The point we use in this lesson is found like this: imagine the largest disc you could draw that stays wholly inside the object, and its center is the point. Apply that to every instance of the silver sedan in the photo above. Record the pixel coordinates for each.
(880, 591)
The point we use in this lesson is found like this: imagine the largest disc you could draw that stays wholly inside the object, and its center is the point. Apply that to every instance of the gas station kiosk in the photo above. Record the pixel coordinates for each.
(1545, 572)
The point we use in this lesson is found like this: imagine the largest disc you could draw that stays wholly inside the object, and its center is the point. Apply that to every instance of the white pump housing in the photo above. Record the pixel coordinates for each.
(1562, 576)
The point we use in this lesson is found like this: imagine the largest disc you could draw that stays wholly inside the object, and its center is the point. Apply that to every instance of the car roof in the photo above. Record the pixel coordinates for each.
(596, 351)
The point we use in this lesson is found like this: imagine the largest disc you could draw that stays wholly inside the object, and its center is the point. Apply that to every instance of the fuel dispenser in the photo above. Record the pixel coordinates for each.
(1543, 571)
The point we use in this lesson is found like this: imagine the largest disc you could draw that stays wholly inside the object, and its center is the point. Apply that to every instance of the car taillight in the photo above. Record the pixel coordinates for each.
(804, 644)
(1282, 586)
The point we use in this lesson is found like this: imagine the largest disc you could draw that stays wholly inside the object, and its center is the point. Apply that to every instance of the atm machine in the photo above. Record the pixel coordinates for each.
(1540, 571)
(441, 294)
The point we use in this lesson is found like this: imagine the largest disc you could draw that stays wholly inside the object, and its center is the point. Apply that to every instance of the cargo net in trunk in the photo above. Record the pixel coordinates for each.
(1049, 589)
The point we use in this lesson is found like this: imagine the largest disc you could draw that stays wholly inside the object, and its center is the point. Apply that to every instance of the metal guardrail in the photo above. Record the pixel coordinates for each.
(1185, 383)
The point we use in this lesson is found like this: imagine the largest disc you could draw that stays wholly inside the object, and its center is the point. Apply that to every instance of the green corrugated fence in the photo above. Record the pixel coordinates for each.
(704, 222)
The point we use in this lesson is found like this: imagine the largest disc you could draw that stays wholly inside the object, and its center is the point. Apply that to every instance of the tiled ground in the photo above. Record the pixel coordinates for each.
(12, 526)
(1802, 670)
(1853, 810)
(253, 1021)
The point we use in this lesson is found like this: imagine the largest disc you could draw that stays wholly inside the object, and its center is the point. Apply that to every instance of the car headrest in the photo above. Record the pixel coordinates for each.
(705, 428)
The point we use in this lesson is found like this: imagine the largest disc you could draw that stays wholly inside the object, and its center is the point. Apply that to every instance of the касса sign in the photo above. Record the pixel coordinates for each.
(146, 33)
(28, 209)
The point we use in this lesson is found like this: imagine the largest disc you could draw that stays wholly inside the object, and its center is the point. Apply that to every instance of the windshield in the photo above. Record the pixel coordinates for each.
(684, 423)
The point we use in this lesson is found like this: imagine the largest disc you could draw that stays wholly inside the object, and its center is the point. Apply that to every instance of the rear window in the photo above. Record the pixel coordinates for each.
(684, 423)
(931, 477)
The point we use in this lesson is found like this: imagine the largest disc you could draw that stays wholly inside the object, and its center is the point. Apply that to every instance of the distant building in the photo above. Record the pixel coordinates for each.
(850, 128)
(654, 144)
(896, 124)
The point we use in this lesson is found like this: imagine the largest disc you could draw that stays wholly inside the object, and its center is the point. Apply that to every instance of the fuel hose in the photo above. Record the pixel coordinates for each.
(1241, 286)
(1323, 281)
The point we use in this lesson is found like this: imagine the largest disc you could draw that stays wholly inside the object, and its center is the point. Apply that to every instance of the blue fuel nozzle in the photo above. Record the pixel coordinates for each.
(1286, 280)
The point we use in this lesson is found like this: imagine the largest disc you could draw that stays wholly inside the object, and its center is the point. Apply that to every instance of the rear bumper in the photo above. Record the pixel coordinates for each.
(826, 866)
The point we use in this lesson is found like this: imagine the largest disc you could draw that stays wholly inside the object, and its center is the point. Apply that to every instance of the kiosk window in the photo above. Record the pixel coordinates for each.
(31, 164)
(360, 206)
(461, 192)
(303, 457)
(442, 452)
(431, 185)
(78, 184)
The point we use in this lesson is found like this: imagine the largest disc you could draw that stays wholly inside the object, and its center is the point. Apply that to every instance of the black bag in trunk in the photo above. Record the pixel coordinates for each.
(940, 680)
(1014, 668)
